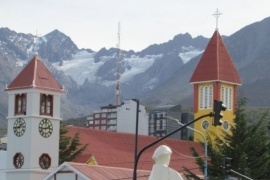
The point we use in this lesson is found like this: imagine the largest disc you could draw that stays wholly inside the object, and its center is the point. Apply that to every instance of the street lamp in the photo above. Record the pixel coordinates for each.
(136, 133)
(205, 144)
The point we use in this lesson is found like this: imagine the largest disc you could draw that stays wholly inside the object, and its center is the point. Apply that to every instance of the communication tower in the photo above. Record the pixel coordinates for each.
(118, 59)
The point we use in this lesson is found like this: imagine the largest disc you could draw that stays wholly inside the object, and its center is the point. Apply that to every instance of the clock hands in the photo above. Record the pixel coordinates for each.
(45, 128)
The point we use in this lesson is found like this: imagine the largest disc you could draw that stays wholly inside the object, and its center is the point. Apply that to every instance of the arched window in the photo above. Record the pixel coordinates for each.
(210, 96)
(46, 104)
(206, 97)
(20, 104)
(49, 104)
(42, 104)
(201, 97)
(226, 96)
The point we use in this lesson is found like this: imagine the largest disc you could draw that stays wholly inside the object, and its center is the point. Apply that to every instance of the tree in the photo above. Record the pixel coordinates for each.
(69, 147)
(247, 144)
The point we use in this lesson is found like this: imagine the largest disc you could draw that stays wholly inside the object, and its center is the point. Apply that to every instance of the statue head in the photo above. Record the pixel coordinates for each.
(162, 155)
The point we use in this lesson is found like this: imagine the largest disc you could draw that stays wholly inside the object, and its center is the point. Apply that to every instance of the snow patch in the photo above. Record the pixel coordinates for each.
(189, 53)
(138, 65)
(151, 84)
(44, 39)
(81, 67)
(20, 63)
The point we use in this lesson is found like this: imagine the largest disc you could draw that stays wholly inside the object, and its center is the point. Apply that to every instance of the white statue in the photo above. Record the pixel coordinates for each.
(160, 170)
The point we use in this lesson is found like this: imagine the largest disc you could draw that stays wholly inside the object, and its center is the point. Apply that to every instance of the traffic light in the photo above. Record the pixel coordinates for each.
(227, 165)
(218, 107)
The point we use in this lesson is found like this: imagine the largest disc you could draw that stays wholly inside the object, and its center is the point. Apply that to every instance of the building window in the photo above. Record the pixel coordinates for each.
(20, 104)
(201, 97)
(103, 115)
(230, 99)
(18, 160)
(97, 115)
(206, 97)
(91, 122)
(46, 104)
(226, 97)
(45, 161)
(151, 130)
(210, 96)
(112, 121)
(111, 115)
(164, 124)
(103, 121)
(111, 128)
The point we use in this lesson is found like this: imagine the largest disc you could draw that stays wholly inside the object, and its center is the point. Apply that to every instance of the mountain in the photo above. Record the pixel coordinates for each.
(157, 75)
(140, 72)
(16, 49)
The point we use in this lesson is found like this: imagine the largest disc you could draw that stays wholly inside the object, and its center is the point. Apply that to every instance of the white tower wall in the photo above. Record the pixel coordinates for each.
(31, 144)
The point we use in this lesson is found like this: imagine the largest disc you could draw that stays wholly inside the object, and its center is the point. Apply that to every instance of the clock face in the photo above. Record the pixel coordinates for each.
(18, 160)
(225, 125)
(45, 161)
(45, 128)
(205, 124)
(19, 127)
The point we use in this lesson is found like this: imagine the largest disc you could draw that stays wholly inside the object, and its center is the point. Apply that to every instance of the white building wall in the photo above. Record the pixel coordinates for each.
(3, 166)
(126, 118)
(26, 174)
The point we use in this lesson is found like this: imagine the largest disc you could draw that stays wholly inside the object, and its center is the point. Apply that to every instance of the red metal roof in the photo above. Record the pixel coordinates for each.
(105, 172)
(35, 75)
(216, 63)
(117, 150)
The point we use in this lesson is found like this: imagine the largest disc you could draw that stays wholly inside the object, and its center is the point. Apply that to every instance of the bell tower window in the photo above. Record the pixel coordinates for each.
(46, 104)
(206, 97)
(226, 96)
(20, 104)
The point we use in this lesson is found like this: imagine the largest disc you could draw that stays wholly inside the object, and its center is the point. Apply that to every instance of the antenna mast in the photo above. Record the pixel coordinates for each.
(36, 41)
(117, 89)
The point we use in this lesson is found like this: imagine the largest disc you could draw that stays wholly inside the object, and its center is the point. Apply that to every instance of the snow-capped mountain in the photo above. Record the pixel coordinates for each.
(140, 72)
(100, 67)
(157, 75)
(90, 77)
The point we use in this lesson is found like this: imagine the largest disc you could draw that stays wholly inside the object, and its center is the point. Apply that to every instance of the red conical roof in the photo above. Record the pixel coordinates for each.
(216, 63)
(35, 75)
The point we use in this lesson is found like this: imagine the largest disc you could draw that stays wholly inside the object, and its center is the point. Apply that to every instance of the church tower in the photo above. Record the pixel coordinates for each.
(215, 78)
(33, 122)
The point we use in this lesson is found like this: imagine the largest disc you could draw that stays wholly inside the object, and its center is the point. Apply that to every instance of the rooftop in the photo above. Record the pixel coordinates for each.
(216, 63)
(117, 150)
(35, 75)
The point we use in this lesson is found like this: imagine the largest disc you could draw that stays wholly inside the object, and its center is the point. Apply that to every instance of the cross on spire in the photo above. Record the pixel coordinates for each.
(217, 14)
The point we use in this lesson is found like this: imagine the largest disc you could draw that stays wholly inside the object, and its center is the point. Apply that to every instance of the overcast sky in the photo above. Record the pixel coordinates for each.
(94, 23)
